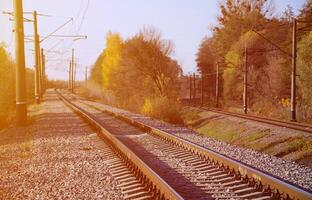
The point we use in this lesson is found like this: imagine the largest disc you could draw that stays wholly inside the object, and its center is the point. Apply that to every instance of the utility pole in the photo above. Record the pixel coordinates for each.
(294, 62)
(86, 76)
(44, 73)
(191, 85)
(43, 78)
(293, 71)
(72, 71)
(245, 95)
(69, 75)
(40, 69)
(21, 105)
(74, 76)
(202, 90)
(217, 86)
(194, 86)
(37, 60)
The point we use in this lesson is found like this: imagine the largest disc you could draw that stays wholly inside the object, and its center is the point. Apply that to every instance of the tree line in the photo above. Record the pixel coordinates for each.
(253, 25)
(139, 74)
(7, 86)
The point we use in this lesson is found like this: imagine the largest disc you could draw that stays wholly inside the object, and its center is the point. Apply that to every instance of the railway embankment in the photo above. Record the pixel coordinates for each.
(281, 142)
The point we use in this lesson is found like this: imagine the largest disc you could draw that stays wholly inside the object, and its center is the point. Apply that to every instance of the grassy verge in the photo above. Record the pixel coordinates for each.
(295, 147)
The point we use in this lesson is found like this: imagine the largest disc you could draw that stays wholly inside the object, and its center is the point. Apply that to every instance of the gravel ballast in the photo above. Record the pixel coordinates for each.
(290, 171)
(56, 157)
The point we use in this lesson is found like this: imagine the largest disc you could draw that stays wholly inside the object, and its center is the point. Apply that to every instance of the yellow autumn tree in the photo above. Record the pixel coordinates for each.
(111, 59)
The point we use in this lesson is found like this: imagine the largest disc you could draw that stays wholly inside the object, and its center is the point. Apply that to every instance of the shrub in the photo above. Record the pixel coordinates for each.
(164, 109)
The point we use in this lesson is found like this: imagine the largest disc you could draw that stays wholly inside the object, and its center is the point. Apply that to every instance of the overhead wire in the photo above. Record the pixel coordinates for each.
(80, 9)
(272, 43)
(70, 43)
(83, 16)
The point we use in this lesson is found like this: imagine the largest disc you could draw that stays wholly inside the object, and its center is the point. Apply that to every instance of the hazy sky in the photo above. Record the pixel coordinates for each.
(185, 22)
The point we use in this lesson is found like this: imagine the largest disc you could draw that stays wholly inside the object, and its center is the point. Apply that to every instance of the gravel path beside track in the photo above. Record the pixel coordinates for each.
(57, 157)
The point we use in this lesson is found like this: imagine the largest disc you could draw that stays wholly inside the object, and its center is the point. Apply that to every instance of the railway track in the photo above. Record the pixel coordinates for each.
(187, 171)
(280, 123)
(136, 179)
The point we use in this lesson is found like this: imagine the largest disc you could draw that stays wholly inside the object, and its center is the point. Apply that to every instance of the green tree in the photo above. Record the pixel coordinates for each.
(206, 60)
(238, 17)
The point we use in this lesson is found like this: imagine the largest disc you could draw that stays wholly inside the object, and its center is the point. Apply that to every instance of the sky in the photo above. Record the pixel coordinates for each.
(184, 22)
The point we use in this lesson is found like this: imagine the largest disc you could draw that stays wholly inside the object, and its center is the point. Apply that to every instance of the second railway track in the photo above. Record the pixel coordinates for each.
(286, 124)
(191, 171)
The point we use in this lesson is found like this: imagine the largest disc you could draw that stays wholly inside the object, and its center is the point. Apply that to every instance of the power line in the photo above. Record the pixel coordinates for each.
(55, 45)
(80, 9)
(83, 16)
(272, 43)
(71, 19)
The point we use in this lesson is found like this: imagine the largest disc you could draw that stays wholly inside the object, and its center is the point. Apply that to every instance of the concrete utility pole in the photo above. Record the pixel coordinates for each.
(69, 75)
(42, 72)
(202, 90)
(217, 86)
(194, 86)
(74, 76)
(245, 95)
(72, 71)
(190, 87)
(21, 104)
(294, 63)
(37, 59)
(293, 71)
(86, 76)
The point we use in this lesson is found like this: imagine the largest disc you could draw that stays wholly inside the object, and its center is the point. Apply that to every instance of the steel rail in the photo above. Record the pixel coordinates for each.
(291, 125)
(165, 191)
(287, 189)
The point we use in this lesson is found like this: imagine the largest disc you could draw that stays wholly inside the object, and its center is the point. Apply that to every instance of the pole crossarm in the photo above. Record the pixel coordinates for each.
(28, 20)
(28, 40)
(63, 36)
(56, 52)
(71, 36)
(39, 14)
(25, 20)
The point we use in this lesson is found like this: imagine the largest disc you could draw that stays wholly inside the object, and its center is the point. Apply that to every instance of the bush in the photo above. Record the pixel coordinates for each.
(164, 109)
(266, 108)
